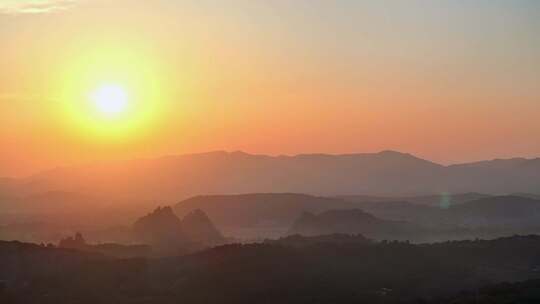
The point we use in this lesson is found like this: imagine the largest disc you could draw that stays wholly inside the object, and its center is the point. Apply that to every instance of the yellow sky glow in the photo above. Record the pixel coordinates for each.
(443, 81)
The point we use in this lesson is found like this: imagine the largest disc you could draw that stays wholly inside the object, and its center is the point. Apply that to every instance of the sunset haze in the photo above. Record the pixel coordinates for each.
(448, 81)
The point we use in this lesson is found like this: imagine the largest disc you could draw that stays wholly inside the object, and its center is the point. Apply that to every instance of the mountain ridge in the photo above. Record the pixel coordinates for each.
(5, 179)
(383, 173)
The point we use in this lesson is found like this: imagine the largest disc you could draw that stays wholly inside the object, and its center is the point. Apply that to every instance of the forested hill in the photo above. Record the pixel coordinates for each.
(341, 269)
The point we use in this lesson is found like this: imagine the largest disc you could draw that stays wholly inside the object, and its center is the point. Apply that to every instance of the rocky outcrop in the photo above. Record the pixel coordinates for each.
(197, 227)
(161, 226)
(167, 234)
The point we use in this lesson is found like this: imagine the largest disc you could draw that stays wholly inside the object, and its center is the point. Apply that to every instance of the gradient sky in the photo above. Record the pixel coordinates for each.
(450, 81)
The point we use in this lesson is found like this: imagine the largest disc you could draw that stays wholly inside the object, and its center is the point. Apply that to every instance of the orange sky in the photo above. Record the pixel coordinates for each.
(450, 81)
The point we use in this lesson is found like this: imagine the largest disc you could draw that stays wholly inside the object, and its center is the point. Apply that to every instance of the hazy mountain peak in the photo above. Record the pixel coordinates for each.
(197, 226)
(162, 228)
(197, 215)
(161, 224)
(162, 212)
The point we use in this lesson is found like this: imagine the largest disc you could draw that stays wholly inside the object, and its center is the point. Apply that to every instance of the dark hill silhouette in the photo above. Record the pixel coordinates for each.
(384, 173)
(499, 176)
(257, 208)
(169, 235)
(507, 214)
(271, 215)
(198, 227)
(328, 269)
(498, 211)
(490, 217)
(160, 227)
(353, 221)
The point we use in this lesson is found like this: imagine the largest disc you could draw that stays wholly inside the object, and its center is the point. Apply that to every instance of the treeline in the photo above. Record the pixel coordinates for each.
(324, 269)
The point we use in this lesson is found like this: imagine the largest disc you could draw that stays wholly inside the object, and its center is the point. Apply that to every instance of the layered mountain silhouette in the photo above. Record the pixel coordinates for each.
(510, 212)
(166, 233)
(259, 209)
(197, 227)
(161, 226)
(353, 221)
(270, 215)
(502, 211)
(384, 173)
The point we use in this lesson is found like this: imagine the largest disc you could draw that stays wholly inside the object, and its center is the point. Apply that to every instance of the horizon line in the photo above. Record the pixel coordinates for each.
(387, 151)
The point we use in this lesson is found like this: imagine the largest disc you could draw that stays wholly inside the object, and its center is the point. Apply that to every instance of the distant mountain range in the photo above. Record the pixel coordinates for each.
(486, 217)
(272, 215)
(502, 211)
(384, 173)
(258, 209)
(472, 221)
(508, 212)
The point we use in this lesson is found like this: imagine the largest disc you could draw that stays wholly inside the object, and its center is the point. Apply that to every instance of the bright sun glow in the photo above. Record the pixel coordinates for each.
(120, 95)
(110, 100)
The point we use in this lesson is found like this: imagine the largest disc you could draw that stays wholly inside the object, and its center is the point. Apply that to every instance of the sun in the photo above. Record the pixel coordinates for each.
(121, 95)
(110, 100)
